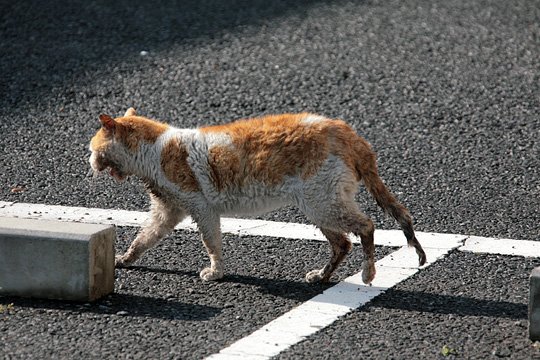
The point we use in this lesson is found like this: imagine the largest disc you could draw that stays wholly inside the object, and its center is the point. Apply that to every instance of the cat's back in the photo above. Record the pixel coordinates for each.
(282, 133)
(269, 148)
(268, 125)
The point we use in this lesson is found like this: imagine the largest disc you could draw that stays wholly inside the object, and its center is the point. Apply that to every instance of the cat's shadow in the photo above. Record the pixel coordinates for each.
(162, 307)
(297, 290)
(418, 301)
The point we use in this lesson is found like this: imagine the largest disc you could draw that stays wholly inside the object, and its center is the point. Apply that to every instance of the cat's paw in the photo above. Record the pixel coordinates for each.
(314, 276)
(368, 271)
(120, 261)
(210, 274)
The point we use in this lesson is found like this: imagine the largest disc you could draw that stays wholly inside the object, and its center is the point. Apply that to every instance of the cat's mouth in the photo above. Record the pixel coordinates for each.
(117, 174)
(113, 169)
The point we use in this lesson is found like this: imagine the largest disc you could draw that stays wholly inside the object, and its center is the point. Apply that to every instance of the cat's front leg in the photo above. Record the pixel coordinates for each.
(162, 220)
(209, 226)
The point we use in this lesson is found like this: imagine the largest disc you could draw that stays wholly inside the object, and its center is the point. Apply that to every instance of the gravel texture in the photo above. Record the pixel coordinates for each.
(446, 91)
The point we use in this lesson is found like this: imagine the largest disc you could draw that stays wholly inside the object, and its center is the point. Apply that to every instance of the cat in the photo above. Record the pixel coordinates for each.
(247, 166)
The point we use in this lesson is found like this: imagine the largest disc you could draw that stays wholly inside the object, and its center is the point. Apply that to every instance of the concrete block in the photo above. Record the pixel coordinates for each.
(534, 305)
(56, 260)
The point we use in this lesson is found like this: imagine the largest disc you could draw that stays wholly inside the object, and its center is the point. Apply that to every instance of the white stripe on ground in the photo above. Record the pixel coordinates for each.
(322, 310)
(250, 227)
(479, 244)
(235, 226)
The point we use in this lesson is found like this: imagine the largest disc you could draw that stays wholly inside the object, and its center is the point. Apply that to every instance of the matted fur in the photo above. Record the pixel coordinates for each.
(247, 166)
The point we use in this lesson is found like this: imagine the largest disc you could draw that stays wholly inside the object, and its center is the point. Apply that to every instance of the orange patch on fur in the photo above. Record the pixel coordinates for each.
(99, 140)
(354, 150)
(267, 149)
(176, 168)
(224, 166)
(134, 130)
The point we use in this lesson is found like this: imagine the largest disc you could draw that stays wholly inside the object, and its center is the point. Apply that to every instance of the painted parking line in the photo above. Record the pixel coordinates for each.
(248, 227)
(485, 245)
(393, 238)
(323, 309)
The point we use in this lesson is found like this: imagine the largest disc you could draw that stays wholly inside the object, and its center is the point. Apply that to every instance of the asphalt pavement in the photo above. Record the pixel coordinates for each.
(447, 92)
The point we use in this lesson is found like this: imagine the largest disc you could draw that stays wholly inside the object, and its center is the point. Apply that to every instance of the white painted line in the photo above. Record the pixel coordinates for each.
(72, 213)
(406, 258)
(240, 227)
(322, 310)
(479, 244)
(250, 227)
(287, 230)
(394, 238)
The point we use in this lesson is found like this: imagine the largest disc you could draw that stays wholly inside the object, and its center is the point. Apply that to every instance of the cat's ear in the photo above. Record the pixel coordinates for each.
(107, 122)
(130, 112)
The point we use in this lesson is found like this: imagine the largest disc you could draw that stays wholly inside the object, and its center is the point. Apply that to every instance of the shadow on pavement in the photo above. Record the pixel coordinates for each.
(450, 304)
(121, 304)
(288, 289)
(391, 299)
(53, 44)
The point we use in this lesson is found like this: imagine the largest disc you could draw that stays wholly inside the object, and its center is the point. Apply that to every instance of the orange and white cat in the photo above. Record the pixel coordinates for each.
(249, 166)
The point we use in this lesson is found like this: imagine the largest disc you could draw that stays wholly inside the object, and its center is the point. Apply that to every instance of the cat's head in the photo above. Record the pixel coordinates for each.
(117, 144)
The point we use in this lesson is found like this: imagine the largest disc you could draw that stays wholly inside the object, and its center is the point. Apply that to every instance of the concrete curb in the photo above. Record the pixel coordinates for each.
(56, 260)
(534, 305)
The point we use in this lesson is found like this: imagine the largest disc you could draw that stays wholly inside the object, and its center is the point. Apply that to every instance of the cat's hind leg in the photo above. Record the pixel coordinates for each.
(341, 246)
(209, 226)
(163, 219)
(335, 221)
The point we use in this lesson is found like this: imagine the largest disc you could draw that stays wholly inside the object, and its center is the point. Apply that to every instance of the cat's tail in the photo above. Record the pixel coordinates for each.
(367, 167)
